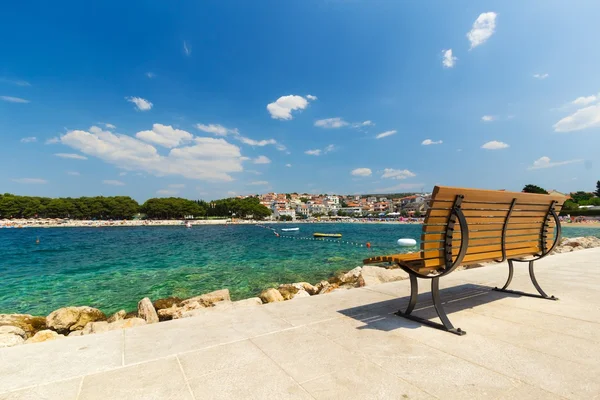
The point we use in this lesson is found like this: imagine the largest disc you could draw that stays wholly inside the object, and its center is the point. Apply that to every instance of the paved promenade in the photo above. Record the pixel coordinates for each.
(345, 345)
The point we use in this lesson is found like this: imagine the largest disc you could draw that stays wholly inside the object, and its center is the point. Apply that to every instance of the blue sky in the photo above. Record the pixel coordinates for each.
(213, 98)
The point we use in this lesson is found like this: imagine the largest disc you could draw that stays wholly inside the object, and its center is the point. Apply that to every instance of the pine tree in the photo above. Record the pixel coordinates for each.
(534, 189)
(597, 192)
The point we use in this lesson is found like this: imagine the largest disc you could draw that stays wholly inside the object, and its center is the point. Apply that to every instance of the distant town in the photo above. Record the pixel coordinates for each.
(302, 206)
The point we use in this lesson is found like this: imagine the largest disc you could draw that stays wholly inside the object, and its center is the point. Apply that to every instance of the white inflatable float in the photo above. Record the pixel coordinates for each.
(407, 242)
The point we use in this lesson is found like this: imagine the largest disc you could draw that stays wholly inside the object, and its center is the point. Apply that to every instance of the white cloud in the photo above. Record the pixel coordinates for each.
(29, 139)
(483, 28)
(449, 60)
(73, 173)
(150, 75)
(544, 162)
(110, 126)
(428, 142)
(397, 173)
(318, 152)
(385, 134)
(588, 117)
(17, 82)
(13, 99)
(494, 145)
(261, 160)
(113, 182)
(584, 100)
(361, 172)
(231, 193)
(216, 129)
(282, 107)
(187, 49)
(177, 185)
(140, 104)
(540, 76)
(331, 123)
(207, 159)
(122, 173)
(167, 192)
(488, 118)
(311, 97)
(53, 140)
(33, 181)
(71, 156)
(288, 165)
(165, 135)
(259, 183)
(259, 143)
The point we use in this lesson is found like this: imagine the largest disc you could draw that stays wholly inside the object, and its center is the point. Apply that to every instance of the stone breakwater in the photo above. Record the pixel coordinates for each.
(16, 329)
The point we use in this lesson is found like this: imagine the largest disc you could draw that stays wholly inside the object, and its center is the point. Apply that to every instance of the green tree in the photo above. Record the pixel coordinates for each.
(534, 189)
(597, 192)
(570, 205)
(580, 196)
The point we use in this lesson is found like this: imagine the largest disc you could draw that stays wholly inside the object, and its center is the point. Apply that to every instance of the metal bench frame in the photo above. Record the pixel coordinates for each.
(451, 264)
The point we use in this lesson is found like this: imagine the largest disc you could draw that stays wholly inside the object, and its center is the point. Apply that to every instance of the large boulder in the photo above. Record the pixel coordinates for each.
(252, 301)
(44, 336)
(287, 291)
(9, 340)
(372, 275)
(168, 302)
(310, 289)
(12, 330)
(301, 293)
(69, 319)
(350, 277)
(28, 323)
(178, 312)
(146, 311)
(119, 315)
(270, 296)
(208, 299)
(103, 326)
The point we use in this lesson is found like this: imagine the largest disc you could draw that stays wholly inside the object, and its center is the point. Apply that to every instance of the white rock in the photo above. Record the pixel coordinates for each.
(13, 330)
(350, 276)
(44, 336)
(252, 301)
(301, 293)
(147, 311)
(9, 340)
(372, 275)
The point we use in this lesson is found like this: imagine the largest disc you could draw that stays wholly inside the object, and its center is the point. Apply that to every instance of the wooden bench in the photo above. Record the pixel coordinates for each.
(466, 226)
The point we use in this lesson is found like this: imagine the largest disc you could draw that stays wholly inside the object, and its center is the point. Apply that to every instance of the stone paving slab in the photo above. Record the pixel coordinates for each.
(345, 345)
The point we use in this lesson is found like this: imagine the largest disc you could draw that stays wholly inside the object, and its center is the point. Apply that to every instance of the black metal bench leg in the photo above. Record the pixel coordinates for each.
(541, 295)
(537, 285)
(446, 325)
(414, 293)
(511, 270)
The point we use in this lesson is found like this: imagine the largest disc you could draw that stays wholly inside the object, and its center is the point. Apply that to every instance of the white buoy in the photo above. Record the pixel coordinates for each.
(407, 242)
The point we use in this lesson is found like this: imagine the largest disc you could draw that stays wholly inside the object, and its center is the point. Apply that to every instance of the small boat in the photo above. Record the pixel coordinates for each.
(333, 235)
(290, 229)
(407, 242)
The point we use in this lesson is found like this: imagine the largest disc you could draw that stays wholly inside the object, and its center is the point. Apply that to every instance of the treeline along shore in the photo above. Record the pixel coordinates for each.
(125, 208)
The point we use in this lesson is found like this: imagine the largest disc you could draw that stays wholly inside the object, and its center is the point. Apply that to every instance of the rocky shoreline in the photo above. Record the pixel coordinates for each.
(16, 329)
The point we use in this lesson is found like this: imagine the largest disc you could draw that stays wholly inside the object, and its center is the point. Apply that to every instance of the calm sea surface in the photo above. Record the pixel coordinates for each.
(113, 268)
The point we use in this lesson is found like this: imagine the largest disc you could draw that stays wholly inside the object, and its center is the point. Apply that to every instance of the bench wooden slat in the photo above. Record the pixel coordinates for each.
(492, 196)
(484, 241)
(489, 213)
(478, 249)
(467, 205)
(490, 220)
(516, 233)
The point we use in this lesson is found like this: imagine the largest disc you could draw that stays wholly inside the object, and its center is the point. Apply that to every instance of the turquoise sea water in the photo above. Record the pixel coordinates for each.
(113, 268)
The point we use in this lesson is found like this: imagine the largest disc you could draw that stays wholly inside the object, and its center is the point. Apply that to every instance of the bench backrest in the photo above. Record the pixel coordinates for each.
(500, 225)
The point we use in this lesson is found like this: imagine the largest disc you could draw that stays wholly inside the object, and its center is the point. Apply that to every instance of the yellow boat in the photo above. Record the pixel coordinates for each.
(334, 235)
